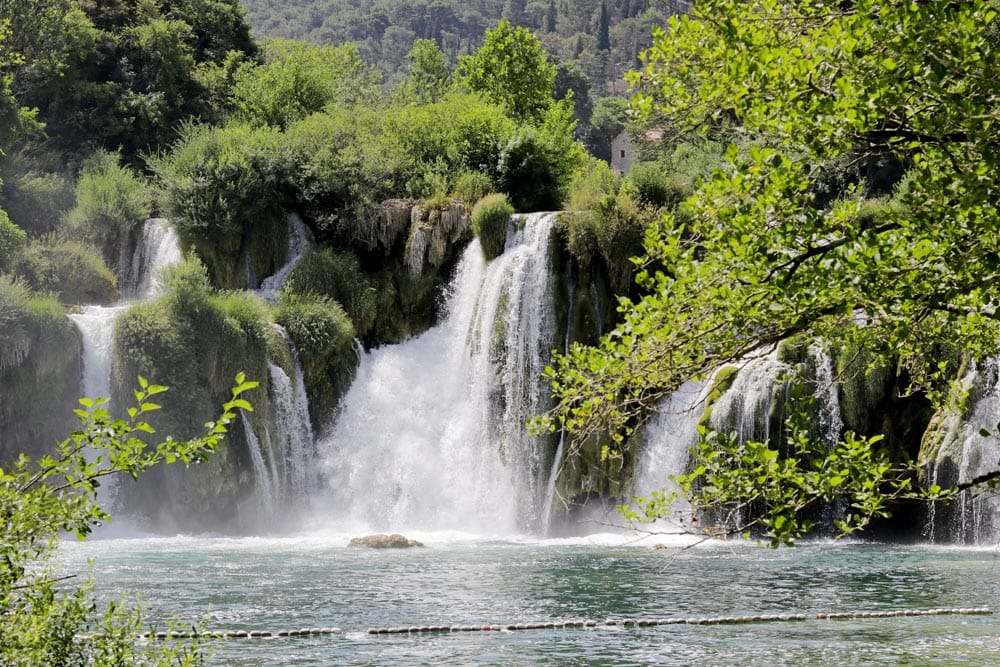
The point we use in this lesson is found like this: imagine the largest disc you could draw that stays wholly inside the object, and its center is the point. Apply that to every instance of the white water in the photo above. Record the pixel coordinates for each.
(745, 409)
(264, 475)
(831, 422)
(291, 429)
(975, 510)
(432, 433)
(158, 248)
(298, 243)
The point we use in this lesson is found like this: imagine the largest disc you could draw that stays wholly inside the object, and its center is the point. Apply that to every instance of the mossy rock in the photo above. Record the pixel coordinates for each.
(722, 382)
(394, 541)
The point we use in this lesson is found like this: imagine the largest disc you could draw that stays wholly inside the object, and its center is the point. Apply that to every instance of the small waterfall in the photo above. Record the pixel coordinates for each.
(264, 475)
(746, 409)
(158, 248)
(298, 243)
(975, 511)
(432, 433)
(291, 429)
(831, 422)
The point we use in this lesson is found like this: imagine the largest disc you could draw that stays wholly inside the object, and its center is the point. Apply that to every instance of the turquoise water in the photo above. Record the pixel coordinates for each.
(316, 581)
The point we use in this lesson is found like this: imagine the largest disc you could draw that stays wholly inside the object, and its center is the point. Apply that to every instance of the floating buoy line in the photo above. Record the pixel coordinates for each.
(552, 625)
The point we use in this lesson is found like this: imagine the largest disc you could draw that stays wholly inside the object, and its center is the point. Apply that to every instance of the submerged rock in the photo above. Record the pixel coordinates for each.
(394, 541)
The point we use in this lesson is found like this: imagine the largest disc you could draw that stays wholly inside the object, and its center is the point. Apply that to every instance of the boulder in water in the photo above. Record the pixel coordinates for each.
(394, 541)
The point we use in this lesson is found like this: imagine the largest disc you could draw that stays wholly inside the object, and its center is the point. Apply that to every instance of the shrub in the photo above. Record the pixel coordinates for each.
(36, 200)
(111, 200)
(12, 240)
(324, 337)
(592, 183)
(654, 186)
(71, 271)
(490, 217)
(220, 184)
(471, 186)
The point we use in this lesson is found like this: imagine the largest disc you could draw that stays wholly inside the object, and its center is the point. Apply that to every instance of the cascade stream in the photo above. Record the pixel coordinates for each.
(432, 433)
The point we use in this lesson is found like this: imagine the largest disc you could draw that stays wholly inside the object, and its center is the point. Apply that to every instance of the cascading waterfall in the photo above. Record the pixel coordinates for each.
(298, 243)
(668, 439)
(432, 433)
(158, 248)
(975, 511)
(265, 477)
(746, 409)
(291, 429)
(831, 422)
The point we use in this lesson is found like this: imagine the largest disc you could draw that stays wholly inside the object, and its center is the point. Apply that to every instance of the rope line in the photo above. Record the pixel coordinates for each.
(552, 625)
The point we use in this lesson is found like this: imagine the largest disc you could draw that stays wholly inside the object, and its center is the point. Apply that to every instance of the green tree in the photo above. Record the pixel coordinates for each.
(430, 74)
(603, 29)
(511, 69)
(44, 620)
(761, 255)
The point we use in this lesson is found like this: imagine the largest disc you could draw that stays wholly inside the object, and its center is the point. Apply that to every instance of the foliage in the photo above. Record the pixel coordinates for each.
(71, 271)
(12, 240)
(538, 163)
(430, 73)
(324, 336)
(35, 195)
(297, 79)
(490, 219)
(757, 259)
(471, 186)
(751, 488)
(42, 499)
(337, 275)
(592, 183)
(111, 201)
(654, 187)
(217, 183)
(511, 69)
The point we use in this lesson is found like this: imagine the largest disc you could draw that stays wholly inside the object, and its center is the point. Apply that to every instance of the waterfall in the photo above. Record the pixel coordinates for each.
(264, 476)
(432, 432)
(158, 248)
(974, 511)
(746, 409)
(298, 243)
(291, 430)
(831, 423)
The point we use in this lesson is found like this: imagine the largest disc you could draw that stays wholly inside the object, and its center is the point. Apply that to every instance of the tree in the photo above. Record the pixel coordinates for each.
(603, 29)
(45, 622)
(766, 252)
(430, 74)
(511, 69)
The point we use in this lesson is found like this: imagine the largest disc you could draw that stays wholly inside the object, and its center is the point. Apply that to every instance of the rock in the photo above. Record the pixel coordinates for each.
(394, 541)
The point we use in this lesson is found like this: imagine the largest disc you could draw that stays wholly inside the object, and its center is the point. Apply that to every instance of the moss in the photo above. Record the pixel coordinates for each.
(794, 350)
(40, 381)
(490, 217)
(324, 337)
(73, 272)
(722, 382)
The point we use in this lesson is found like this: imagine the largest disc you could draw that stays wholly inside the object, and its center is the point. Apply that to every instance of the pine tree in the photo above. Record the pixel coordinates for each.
(550, 17)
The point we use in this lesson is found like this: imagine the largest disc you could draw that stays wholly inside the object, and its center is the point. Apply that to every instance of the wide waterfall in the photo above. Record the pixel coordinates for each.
(432, 433)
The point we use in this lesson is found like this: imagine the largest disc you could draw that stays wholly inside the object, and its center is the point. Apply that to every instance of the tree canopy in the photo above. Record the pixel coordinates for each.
(858, 202)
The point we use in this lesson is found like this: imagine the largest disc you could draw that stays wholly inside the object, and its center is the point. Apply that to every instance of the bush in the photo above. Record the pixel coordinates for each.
(111, 201)
(490, 217)
(324, 337)
(655, 187)
(12, 240)
(220, 186)
(593, 183)
(35, 200)
(71, 271)
(471, 186)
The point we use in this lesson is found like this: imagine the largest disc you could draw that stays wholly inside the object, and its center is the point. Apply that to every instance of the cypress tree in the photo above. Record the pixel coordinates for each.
(603, 30)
